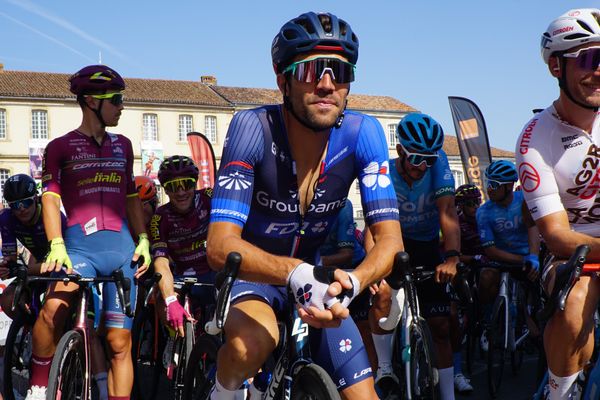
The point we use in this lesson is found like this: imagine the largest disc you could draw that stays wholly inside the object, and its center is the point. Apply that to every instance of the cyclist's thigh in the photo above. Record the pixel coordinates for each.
(341, 352)
(252, 314)
(114, 316)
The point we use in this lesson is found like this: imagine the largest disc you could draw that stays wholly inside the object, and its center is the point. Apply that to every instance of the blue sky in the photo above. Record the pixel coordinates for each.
(419, 52)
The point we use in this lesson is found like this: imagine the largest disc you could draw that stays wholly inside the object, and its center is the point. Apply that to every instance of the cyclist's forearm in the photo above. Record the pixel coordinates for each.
(341, 259)
(161, 265)
(380, 259)
(257, 265)
(135, 215)
(51, 215)
(495, 254)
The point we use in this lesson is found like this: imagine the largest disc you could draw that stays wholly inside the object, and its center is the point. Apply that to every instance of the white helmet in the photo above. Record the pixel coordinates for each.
(572, 29)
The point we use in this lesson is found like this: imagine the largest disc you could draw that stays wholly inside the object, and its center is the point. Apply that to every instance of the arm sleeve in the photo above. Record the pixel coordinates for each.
(158, 240)
(243, 149)
(9, 241)
(443, 180)
(486, 234)
(130, 188)
(376, 190)
(51, 165)
(539, 184)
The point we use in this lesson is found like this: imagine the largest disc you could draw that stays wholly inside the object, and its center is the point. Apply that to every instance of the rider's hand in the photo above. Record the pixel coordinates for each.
(142, 250)
(346, 283)
(176, 314)
(533, 261)
(446, 271)
(57, 257)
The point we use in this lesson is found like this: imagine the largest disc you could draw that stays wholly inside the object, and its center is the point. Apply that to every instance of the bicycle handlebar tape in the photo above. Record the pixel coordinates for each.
(232, 267)
(400, 268)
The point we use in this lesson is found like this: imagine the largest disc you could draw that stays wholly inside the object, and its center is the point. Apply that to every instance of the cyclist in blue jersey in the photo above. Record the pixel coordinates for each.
(503, 233)
(91, 171)
(284, 177)
(424, 188)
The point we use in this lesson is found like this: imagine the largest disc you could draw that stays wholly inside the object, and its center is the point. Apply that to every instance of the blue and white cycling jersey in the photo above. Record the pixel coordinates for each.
(419, 215)
(503, 227)
(257, 184)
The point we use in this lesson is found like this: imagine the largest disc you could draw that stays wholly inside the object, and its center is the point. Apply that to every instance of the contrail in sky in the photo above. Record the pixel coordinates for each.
(52, 39)
(35, 9)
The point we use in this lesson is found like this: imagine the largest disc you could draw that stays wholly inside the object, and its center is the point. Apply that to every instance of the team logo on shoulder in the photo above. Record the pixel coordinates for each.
(530, 178)
(304, 294)
(235, 181)
(376, 175)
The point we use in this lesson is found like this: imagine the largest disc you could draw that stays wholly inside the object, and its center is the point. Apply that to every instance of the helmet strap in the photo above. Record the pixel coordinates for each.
(98, 112)
(562, 83)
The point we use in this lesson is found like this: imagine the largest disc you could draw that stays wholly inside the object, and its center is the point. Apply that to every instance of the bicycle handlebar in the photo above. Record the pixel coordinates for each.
(223, 282)
(148, 285)
(566, 275)
(123, 285)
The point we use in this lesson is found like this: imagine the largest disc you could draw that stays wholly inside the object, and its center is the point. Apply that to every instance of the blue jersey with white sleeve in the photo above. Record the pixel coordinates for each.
(257, 185)
(503, 227)
(419, 215)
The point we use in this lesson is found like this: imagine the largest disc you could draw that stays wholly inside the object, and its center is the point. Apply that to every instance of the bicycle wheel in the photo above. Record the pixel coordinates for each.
(496, 350)
(312, 382)
(68, 371)
(201, 368)
(423, 375)
(181, 354)
(17, 359)
(517, 329)
(148, 346)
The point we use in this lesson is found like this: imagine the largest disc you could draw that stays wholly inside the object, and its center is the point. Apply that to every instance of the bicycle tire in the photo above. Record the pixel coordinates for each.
(520, 324)
(181, 354)
(312, 382)
(201, 368)
(146, 353)
(496, 350)
(17, 358)
(424, 378)
(68, 370)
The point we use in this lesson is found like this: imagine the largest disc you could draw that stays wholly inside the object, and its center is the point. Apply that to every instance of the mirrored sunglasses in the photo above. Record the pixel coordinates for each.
(313, 70)
(587, 59)
(116, 99)
(416, 159)
(180, 183)
(494, 185)
(23, 203)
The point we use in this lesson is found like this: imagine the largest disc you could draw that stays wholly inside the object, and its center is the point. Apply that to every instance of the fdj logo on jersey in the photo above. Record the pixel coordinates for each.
(276, 228)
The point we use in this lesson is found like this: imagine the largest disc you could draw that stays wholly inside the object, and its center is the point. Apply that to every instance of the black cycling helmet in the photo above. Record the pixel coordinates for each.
(19, 187)
(177, 167)
(311, 32)
(467, 192)
(502, 171)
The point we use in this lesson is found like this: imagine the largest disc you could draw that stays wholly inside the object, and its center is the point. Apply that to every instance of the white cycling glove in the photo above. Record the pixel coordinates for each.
(309, 285)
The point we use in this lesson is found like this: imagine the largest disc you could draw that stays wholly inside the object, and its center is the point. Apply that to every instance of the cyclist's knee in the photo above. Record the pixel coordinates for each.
(119, 342)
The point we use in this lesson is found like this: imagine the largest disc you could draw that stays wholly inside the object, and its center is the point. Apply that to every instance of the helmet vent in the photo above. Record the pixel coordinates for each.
(576, 36)
(290, 34)
(585, 26)
(326, 22)
(305, 23)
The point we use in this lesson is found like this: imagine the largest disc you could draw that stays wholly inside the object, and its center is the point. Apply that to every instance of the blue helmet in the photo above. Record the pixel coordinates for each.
(502, 171)
(420, 133)
(313, 32)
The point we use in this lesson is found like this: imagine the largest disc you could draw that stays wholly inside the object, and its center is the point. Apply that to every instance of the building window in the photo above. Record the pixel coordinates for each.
(210, 128)
(185, 126)
(2, 123)
(357, 187)
(150, 126)
(39, 124)
(360, 214)
(392, 135)
(459, 177)
(4, 174)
